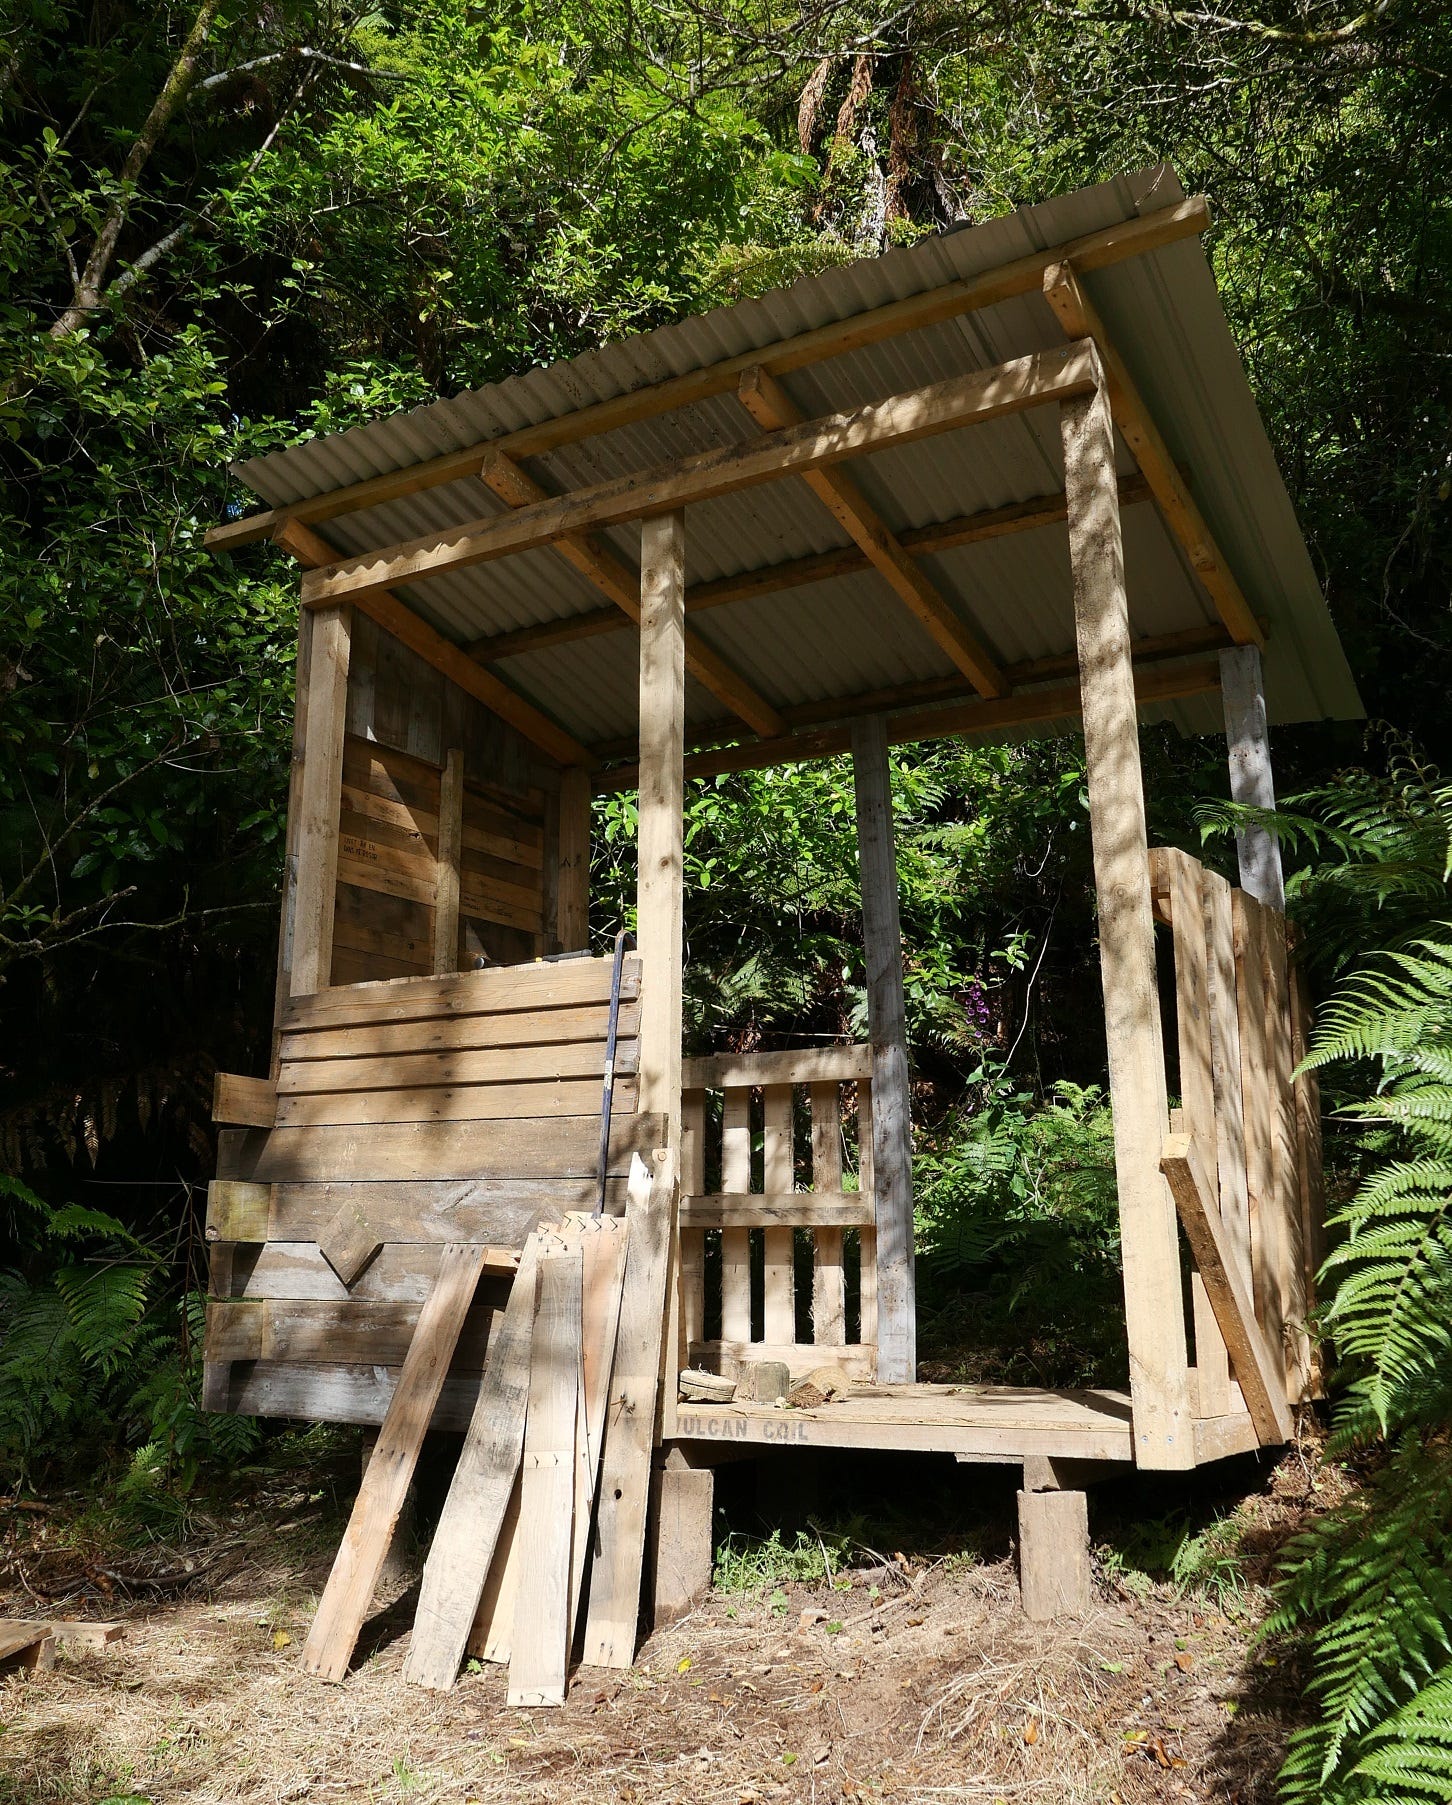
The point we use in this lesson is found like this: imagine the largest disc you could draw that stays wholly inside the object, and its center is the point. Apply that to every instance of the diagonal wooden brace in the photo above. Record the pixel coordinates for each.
(1256, 1363)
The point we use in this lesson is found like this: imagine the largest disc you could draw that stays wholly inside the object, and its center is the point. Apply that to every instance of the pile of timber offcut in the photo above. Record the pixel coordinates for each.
(542, 1538)
(31, 1642)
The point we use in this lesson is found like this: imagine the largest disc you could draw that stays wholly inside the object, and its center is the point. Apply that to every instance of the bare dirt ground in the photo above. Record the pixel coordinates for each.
(912, 1676)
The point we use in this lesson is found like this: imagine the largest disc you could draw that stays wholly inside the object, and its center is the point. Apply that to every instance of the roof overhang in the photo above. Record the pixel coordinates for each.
(965, 623)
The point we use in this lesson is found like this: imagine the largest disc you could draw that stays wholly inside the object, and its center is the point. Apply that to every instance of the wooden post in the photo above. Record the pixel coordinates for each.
(283, 988)
(892, 1137)
(682, 1501)
(1053, 1554)
(320, 801)
(660, 898)
(572, 886)
(1153, 1304)
(660, 893)
(1247, 737)
(451, 846)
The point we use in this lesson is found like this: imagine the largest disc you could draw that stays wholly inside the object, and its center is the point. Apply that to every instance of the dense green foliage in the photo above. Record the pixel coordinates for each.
(1371, 1584)
(223, 226)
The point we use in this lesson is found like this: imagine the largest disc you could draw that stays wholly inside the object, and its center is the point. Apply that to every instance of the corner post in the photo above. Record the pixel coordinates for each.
(660, 894)
(1153, 1302)
(892, 1148)
(1247, 739)
(661, 872)
(320, 797)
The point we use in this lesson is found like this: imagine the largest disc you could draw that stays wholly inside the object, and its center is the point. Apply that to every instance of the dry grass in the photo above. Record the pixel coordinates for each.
(914, 1680)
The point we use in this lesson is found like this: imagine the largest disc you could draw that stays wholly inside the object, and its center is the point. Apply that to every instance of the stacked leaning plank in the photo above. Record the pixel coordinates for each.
(546, 1510)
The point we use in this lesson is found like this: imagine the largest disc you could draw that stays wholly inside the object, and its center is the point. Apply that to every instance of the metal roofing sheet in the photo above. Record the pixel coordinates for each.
(850, 634)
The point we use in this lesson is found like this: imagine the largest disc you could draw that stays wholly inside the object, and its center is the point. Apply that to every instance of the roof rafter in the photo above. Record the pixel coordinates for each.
(772, 408)
(1080, 319)
(311, 549)
(796, 573)
(601, 564)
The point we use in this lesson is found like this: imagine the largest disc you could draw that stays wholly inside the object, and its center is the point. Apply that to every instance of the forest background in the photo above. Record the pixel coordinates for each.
(225, 225)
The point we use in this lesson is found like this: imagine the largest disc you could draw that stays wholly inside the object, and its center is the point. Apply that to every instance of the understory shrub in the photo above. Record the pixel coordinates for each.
(100, 1350)
(1018, 1238)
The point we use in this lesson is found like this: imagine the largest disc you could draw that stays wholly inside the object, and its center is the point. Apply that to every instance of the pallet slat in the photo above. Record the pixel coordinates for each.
(551, 1147)
(479, 1494)
(567, 1098)
(540, 1643)
(349, 1591)
(829, 1290)
(570, 983)
(779, 1306)
(736, 1242)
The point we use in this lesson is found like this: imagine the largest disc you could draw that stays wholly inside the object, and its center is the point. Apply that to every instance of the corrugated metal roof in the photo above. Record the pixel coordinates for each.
(850, 634)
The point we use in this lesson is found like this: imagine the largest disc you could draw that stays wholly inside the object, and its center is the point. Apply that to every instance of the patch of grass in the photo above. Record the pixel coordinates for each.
(1207, 1563)
(812, 1556)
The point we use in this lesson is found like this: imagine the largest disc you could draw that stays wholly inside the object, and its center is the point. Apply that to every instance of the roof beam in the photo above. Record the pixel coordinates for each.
(599, 562)
(311, 549)
(1007, 388)
(795, 573)
(772, 408)
(1021, 276)
(958, 719)
(1080, 319)
(1157, 648)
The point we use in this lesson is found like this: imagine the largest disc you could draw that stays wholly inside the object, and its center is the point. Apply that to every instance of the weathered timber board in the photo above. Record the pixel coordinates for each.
(349, 1592)
(313, 1332)
(468, 1033)
(510, 1066)
(552, 1147)
(501, 1211)
(560, 1098)
(572, 983)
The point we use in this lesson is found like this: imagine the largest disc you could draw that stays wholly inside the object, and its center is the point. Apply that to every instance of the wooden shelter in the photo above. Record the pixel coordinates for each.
(1041, 500)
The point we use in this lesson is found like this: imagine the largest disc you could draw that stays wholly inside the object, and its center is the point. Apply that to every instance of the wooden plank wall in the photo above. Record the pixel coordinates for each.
(1241, 1022)
(403, 721)
(412, 1113)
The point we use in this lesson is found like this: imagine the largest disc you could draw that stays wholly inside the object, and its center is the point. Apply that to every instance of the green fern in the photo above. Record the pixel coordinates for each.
(1371, 1585)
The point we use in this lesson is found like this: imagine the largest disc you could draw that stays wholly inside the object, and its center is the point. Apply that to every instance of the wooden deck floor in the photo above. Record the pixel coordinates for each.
(990, 1422)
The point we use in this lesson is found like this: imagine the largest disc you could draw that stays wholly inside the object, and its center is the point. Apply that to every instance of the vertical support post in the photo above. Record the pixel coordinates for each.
(1153, 1302)
(1247, 738)
(660, 878)
(288, 919)
(450, 852)
(572, 886)
(660, 882)
(892, 1143)
(320, 800)
(1053, 1554)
